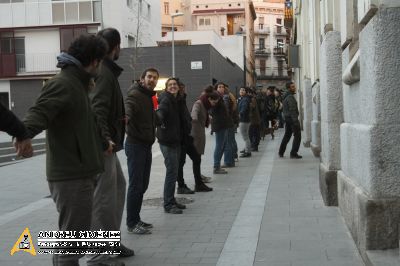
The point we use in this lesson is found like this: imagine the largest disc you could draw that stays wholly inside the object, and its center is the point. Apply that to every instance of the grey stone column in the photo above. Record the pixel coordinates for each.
(369, 182)
(316, 121)
(331, 115)
(307, 112)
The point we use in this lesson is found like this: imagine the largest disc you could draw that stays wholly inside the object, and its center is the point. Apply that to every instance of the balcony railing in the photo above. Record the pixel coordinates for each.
(262, 51)
(264, 30)
(280, 31)
(271, 73)
(278, 51)
(36, 63)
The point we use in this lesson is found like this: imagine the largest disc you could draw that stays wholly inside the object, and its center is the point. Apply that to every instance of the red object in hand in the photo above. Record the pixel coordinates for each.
(155, 102)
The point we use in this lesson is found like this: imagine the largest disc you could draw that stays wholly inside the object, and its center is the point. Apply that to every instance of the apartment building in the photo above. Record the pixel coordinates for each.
(34, 32)
(271, 38)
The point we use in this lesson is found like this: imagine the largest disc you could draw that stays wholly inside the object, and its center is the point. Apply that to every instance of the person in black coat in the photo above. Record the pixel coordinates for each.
(169, 135)
(10, 124)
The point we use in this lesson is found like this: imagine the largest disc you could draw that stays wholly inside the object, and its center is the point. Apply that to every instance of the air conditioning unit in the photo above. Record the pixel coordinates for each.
(366, 10)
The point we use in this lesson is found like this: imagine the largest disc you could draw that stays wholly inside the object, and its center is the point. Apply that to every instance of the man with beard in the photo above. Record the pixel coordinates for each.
(73, 146)
(108, 105)
(141, 136)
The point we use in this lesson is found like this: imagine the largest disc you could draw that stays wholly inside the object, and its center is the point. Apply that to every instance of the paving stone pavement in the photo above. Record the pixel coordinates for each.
(266, 211)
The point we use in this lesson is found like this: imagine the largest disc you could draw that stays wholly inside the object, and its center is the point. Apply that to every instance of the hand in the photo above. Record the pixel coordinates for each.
(24, 148)
(110, 148)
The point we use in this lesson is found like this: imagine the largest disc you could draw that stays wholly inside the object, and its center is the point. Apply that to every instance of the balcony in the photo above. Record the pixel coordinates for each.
(280, 31)
(36, 64)
(264, 30)
(262, 51)
(268, 73)
(279, 52)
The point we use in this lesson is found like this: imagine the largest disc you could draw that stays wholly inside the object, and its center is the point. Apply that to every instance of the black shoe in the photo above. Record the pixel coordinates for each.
(202, 188)
(295, 156)
(184, 190)
(145, 225)
(180, 206)
(173, 210)
(243, 151)
(124, 251)
(254, 149)
(280, 155)
(228, 165)
(246, 154)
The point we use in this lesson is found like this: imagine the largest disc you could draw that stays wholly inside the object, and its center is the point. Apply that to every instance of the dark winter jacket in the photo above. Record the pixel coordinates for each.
(11, 124)
(290, 109)
(140, 114)
(169, 132)
(108, 104)
(271, 107)
(255, 119)
(220, 117)
(73, 146)
(244, 109)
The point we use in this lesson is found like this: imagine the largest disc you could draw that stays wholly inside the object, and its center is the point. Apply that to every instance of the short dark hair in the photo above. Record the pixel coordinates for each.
(151, 69)
(288, 84)
(210, 92)
(112, 37)
(87, 48)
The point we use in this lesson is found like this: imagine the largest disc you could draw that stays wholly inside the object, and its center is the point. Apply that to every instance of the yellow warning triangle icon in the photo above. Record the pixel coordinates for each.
(24, 243)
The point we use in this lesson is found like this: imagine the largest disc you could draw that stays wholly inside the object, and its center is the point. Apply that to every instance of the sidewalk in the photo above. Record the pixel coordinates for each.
(266, 211)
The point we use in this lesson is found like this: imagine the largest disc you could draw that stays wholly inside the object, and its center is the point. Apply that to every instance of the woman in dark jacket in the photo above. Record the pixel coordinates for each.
(220, 123)
(169, 136)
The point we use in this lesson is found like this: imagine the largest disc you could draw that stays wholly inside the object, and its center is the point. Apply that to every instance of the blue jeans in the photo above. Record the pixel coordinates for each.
(139, 166)
(230, 147)
(171, 161)
(221, 137)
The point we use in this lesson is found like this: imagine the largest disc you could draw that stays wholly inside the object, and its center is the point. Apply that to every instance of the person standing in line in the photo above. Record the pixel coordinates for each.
(255, 122)
(108, 105)
(278, 97)
(220, 123)
(244, 118)
(188, 148)
(74, 155)
(229, 160)
(10, 124)
(271, 109)
(141, 122)
(169, 135)
(291, 114)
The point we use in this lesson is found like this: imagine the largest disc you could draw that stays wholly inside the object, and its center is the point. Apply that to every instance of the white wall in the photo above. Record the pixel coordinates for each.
(229, 46)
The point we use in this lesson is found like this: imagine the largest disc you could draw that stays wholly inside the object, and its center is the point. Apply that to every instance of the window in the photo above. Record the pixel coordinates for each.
(204, 22)
(261, 23)
(261, 26)
(207, 21)
(131, 41)
(68, 34)
(6, 46)
(262, 43)
(262, 67)
(166, 8)
(20, 54)
(278, 29)
(279, 21)
(201, 22)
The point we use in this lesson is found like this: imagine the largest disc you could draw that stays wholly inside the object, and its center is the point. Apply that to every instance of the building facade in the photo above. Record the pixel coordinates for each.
(34, 32)
(271, 38)
(349, 92)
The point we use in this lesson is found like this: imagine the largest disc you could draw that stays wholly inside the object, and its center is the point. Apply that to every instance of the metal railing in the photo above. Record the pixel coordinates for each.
(36, 63)
(265, 30)
(280, 31)
(268, 72)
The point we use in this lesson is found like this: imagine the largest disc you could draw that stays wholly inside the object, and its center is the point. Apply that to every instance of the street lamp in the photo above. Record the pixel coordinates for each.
(178, 14)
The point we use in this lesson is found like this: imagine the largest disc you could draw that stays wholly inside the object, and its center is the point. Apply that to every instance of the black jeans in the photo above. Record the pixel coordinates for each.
(255, 135)
(190, 150)
(291, 127)
(139, 165)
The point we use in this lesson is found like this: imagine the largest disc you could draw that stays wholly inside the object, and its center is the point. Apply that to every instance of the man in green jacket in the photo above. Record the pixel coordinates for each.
(73, 147)
(108, 105)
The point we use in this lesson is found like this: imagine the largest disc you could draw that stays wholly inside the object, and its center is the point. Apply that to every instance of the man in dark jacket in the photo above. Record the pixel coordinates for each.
(108, 105)
(291, 114)
(73, 147)
(14, 127)
(141, 123)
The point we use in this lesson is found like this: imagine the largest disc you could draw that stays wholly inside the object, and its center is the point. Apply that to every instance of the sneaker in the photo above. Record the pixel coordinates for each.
(202, 188)
(124, 251)
(244, 155)
(184, 190)
(219, 171)
(145, 225)
(180, 206)
(206, 179)
(139, 230)
(295, 156)
(110, 262)
(173, 210)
